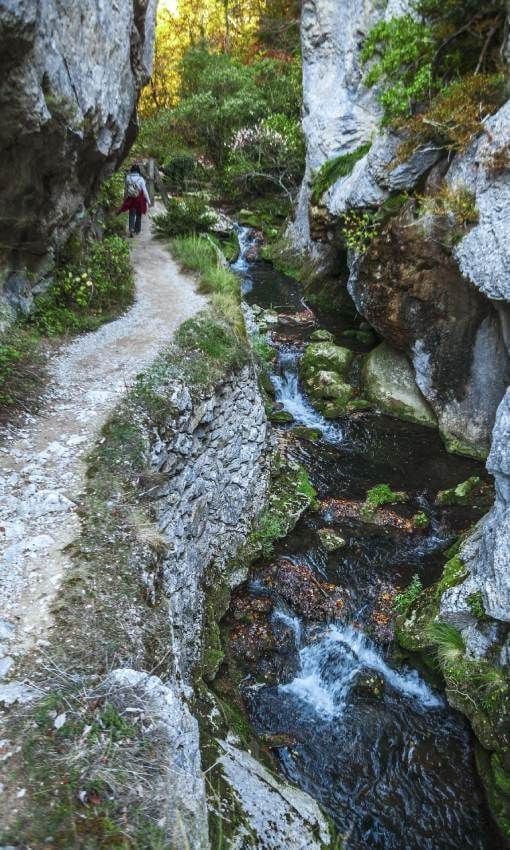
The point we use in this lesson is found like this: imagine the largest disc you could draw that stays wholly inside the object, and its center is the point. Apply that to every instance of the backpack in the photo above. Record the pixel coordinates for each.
(132, 187)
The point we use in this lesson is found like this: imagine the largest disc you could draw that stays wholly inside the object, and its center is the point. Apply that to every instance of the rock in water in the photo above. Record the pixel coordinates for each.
(330, 540)
(390, 384)
(68, 92)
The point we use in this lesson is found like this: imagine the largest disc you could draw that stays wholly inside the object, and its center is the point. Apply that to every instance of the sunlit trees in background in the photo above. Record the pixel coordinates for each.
(223, 105)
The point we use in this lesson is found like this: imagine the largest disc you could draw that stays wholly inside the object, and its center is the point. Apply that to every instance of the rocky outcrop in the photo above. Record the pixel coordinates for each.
(207, 482)
(411, 290)
(389, 383)
(436, 294)
(339, 112)
(70, 78)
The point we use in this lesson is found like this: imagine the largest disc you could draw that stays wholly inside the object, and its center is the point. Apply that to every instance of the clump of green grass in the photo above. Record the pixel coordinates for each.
(379, 495)
(200, 254)
(336, 168)
(421, 520)
(20, 367)
(476, 606)
(447, 642)
(404, 600)
(85, 759)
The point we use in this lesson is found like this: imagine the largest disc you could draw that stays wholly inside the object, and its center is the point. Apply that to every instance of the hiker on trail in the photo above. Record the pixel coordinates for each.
(136, 199)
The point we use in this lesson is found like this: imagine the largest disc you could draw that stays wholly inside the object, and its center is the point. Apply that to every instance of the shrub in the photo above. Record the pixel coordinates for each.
(111, 193)
(404, 600)
(333, 169)
(452, 202)
(180, 169)
(416, 57)
(455, 115)
(184, 216)
(19, 366)
(86, 292)
(359, 228)
(405, 50)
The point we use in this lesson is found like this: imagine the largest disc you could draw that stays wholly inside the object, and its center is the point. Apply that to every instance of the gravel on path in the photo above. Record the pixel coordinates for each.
(42, 459)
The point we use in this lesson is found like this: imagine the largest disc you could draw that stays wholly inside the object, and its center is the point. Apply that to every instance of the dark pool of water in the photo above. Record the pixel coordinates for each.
(393, 765)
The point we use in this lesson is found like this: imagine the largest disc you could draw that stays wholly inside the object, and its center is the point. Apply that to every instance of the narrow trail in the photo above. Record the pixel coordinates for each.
(42, 460)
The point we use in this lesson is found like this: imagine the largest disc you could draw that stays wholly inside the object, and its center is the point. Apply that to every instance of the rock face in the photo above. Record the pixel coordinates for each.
(70, 78)
(332, 33)
(213, 455)
(410, 289)
(444, 307)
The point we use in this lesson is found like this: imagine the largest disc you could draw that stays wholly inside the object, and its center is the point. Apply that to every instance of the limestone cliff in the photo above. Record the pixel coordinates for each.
(435, 288)
(70, 78)
(446, 309)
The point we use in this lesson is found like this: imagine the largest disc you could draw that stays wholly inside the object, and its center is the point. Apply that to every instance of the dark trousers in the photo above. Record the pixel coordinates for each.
(135, 221)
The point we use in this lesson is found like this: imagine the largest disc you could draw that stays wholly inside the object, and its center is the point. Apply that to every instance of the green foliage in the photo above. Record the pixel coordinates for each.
(20, 368)
(200, 254)
(111, 193)
(421, 520)
(456, 114)
(447, 642)
(416, 57)
(476, 606)
(405, 49)
(333, 169)
(88, 291)
(184, 216)
(404, 600)
(451, 202)
(264, 351)
(382, 494)
(360, 228)
(179, 170)
(239, 120)
(213, 339)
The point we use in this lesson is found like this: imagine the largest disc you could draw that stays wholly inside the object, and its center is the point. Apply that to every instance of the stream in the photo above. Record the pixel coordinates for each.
(348, 718)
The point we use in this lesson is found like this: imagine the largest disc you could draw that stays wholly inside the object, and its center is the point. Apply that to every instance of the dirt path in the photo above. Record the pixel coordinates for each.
(41, 462)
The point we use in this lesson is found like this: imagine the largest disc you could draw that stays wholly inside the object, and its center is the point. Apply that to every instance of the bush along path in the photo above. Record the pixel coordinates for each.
(42, 460)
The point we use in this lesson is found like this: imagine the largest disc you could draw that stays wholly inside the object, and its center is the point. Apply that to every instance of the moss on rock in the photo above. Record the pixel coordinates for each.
(472, 492)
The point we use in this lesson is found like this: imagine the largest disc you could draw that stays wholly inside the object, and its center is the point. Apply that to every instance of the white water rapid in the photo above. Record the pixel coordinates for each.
(330, 665)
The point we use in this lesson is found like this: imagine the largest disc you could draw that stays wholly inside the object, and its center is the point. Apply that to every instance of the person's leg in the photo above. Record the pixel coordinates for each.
(138, 222)
(132, 221)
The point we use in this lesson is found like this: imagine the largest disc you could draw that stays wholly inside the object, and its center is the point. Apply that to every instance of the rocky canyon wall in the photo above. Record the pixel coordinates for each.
(445, 306)
(69, 84)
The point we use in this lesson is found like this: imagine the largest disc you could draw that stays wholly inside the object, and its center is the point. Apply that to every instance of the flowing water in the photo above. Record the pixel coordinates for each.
(360, 729)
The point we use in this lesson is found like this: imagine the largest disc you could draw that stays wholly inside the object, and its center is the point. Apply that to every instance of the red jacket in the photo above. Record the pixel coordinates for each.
(139, 204)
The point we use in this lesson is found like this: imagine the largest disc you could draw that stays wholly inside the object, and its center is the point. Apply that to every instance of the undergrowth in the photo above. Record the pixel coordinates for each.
(184, 216)
(404, 600)
(87, 292)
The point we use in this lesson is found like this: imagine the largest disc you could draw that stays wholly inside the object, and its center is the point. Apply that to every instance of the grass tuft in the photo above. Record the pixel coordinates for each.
(448, 643)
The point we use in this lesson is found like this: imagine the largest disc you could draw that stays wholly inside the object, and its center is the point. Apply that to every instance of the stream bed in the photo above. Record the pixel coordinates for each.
(347, 716)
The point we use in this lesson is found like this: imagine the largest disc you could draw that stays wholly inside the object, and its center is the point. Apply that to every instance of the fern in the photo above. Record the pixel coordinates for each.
(333, 169)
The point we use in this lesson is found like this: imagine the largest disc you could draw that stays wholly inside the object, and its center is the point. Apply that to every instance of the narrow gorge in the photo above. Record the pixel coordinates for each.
(255, 504)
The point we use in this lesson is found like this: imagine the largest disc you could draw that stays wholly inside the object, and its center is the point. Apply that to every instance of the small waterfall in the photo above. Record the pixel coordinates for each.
(242, 264)
(293, 623)
(331, 663)
(289, 394)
